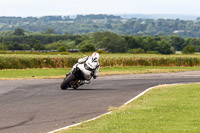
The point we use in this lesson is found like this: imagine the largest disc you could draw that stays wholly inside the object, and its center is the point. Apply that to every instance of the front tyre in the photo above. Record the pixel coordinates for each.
(65, 84)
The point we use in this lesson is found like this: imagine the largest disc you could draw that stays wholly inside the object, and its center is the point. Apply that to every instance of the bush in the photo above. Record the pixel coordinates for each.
(136, 51)
(38, 47)
(189, 49)
(2, 46)
(101, 51)
(87, 48)
(152, 52)
(61, 49)
(164, 47)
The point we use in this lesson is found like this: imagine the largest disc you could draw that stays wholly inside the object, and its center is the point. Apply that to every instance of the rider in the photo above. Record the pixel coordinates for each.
(88, 59)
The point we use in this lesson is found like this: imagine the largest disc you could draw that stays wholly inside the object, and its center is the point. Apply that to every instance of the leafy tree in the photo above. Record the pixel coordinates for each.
(54, 45)
(16, 46)
(165, 47)
(19, 32)
(109, 26)
(50, 31)
(81, 39)
(2, 46)
(62, 49)
(101, 22)
(189, 49)
(131, 42)
(87, 48)
(25, 46)
(177, 42)
(193, 41)
(6, 33)
(32, 41)
(39, 47)
(110, 42)
(150, 43)
(150, 29)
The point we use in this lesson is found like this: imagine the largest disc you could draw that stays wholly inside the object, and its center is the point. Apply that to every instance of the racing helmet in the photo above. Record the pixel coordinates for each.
(92, 61)
(95, 56)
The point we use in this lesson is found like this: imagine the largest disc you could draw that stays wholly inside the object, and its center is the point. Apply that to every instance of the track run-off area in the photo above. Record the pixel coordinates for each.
(39, 105)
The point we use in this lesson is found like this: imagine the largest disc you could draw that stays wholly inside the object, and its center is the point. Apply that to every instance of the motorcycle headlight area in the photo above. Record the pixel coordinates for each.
(88, 68)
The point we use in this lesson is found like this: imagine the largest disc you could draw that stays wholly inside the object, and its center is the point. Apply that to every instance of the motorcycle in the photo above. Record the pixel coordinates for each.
(74, 79)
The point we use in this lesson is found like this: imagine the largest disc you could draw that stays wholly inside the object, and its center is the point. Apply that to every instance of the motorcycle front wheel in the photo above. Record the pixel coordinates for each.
(65, 84)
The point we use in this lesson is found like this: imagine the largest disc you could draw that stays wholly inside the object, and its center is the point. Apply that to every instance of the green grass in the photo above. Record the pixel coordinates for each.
(166, 109)
(32, 73)
(60, 72)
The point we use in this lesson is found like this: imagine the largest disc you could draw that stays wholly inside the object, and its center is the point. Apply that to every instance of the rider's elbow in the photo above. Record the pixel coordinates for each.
(80, 61)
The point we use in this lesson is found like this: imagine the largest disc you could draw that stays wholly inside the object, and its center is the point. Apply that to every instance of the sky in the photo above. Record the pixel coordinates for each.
(25, 8)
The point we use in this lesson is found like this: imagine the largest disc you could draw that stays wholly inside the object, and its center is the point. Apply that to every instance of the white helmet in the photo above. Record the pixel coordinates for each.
(95, 56)
(92, 61)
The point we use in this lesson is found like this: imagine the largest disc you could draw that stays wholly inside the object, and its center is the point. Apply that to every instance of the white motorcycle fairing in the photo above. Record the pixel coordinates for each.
(86, 73)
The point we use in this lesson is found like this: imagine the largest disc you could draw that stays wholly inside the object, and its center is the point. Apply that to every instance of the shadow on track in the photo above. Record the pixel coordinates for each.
(86, 89)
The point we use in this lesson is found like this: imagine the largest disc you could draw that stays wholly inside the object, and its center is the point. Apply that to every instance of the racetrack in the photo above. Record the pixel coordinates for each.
(34, 106)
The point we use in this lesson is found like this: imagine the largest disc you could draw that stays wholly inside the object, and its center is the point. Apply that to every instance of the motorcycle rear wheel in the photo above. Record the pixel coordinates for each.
(65, 84)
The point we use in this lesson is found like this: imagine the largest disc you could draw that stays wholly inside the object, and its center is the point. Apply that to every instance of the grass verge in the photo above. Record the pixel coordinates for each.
(165, 109)
(60, 72)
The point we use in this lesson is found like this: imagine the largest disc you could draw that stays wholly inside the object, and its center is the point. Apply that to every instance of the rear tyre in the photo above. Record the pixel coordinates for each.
(65, 84)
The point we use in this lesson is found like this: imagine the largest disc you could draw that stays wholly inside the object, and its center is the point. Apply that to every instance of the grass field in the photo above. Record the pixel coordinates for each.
(23, 61)
(56, 66)
(60, 72)
(165, 109)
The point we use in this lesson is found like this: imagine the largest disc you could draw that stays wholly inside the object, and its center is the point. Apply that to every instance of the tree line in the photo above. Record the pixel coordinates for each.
(20, 39)
(101, 22)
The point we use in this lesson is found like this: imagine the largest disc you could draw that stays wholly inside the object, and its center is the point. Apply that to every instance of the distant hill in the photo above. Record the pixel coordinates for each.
(130, 24)
(158, 16)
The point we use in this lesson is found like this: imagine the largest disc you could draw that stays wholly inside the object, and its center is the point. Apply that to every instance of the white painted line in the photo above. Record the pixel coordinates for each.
(136, 97)
(79, 123)
(147, 91)
(140, 95)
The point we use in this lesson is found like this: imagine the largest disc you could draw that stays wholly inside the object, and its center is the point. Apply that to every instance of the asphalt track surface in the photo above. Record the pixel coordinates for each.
(37, 106)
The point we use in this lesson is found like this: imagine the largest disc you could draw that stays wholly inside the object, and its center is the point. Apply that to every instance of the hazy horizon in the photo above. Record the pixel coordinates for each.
(37, 8)
(128, 16)
(116, 14)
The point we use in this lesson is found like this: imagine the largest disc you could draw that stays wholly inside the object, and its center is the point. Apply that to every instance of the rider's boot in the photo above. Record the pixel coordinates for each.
(87, 82)
(82, 82)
